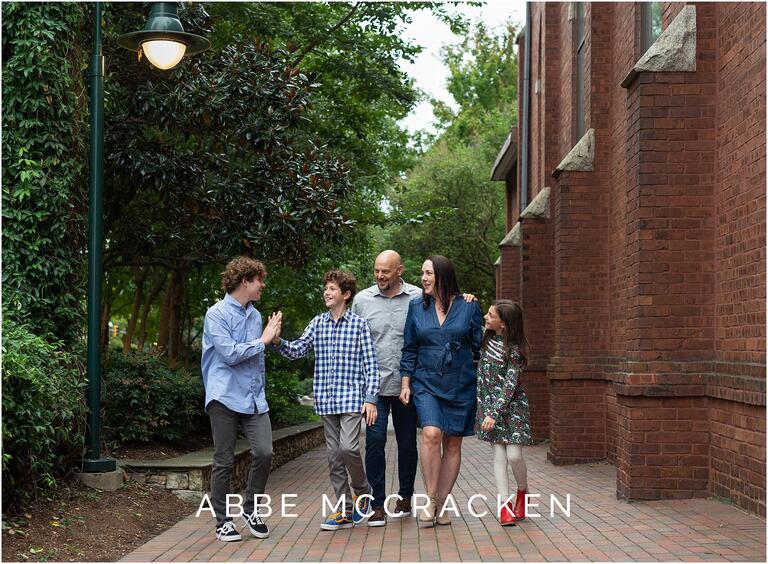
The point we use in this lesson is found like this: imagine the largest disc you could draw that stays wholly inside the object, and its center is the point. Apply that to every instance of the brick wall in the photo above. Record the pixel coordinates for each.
(737, 453)
(738, 427)
(645, 292)
(508, 287)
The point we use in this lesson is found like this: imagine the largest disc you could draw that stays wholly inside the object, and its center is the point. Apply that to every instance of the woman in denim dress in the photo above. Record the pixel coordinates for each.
(441, 339)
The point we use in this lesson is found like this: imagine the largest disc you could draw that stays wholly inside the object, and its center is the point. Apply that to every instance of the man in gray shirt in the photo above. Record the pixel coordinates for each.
(385, 307)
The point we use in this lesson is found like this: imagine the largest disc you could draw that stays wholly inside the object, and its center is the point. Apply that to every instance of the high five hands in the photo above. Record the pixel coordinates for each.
(271, 333)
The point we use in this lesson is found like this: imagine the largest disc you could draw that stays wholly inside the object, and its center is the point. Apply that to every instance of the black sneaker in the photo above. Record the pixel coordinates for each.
(226, 532)
(256, 525)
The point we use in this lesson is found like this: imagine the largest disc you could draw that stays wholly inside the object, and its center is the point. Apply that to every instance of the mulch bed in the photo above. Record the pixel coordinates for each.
(161, 451)
(82, 524)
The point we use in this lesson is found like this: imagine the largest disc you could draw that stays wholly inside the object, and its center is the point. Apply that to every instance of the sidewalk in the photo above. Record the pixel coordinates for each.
(601, 528)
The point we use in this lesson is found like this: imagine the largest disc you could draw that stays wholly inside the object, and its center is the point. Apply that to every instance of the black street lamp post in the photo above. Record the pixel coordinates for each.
(164, 42)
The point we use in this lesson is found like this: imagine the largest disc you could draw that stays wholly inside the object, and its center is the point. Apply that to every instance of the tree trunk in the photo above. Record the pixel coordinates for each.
(106, 310)
(165, 316)
(156, 289)
(139, 276)
(175, 320)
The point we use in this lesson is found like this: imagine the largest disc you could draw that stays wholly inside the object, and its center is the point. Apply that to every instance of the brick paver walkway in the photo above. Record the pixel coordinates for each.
(601, 528)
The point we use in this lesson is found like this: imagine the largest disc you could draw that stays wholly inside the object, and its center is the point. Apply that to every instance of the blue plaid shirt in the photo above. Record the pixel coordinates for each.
(346, 370)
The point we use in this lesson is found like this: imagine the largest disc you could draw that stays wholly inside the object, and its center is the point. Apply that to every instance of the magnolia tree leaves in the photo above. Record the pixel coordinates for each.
(212, 160)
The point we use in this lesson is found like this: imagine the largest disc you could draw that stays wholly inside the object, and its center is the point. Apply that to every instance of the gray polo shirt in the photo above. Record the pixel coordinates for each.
(386, 318)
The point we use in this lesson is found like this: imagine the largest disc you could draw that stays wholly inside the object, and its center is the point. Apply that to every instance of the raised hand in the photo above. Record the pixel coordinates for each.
(272, 329)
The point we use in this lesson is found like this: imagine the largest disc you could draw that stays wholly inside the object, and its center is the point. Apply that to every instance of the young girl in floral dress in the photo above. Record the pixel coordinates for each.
(503, 417)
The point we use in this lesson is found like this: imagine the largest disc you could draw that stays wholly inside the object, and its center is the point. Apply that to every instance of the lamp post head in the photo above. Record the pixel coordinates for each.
(163, 39)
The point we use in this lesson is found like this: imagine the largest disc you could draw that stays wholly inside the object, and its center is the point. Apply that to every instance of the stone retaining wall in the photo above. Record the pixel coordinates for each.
(189, 476)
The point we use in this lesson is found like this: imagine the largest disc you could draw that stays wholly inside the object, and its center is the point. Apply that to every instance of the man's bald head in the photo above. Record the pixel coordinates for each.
(392, 258)
(387, 270)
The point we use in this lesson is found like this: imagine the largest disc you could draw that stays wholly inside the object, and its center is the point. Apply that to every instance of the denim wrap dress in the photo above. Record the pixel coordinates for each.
(439, 361)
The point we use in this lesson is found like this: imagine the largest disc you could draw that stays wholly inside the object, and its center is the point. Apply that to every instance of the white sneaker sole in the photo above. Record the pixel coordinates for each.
(376, 523)
(230, 538)
(325, 527)
(256, 534)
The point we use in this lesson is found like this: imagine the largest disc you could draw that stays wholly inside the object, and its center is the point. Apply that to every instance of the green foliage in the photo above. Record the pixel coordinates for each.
(43, 414)
(43, 159)
(282, 380)
(210, 160)
(446, 204)
(449, 207)
(144, 400)
(483, 79)
(296, 415)
(305, 387)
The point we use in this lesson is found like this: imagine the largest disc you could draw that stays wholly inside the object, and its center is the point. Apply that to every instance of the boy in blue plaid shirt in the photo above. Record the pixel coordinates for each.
(346, 384)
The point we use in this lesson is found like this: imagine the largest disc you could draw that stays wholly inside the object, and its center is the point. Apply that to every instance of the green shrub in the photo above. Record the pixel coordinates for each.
(43, 414)
(305, 387)
(144, 400)
(283, 390)
(296, 415)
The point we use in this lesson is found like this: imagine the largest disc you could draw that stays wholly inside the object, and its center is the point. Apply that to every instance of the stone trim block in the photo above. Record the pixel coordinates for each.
(512, 239)
(539, 207)
(581, 157)
(673, 51)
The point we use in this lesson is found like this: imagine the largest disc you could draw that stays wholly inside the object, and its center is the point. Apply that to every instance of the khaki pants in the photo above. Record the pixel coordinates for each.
(342, 441)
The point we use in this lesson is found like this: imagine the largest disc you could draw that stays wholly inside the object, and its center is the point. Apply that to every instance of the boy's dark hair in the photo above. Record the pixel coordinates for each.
(241, 268)
(446, 284)
(344, 280)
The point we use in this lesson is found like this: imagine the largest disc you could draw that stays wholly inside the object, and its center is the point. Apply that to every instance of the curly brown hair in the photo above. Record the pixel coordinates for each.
(344, 280)
(241, 268)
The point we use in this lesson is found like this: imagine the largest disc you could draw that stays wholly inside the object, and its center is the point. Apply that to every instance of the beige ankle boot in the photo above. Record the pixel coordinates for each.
(445, 518)
(427, 516)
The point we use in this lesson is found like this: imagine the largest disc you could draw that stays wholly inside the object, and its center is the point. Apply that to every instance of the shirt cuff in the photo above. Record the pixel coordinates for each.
(258, 345)
(372, 399)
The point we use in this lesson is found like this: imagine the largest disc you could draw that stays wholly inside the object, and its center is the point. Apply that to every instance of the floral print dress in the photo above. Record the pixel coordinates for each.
(500, 396)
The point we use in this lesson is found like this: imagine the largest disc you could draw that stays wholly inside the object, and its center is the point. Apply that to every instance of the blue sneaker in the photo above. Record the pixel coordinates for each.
(337, 521)
(361, 513)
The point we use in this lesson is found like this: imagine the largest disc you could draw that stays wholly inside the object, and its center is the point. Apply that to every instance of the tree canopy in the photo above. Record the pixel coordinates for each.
(446, 203)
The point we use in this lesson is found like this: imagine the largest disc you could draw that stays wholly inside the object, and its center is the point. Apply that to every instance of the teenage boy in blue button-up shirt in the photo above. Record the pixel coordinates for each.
(233, 374)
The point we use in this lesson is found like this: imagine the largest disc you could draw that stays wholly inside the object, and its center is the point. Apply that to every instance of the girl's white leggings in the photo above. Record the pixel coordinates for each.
(512, 454)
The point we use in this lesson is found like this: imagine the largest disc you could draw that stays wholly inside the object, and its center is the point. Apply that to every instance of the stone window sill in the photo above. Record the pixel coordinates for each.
(581, 157)
(673, 51)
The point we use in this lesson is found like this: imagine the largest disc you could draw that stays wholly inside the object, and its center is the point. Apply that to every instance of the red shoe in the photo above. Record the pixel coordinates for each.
(519, 509)
(507, 518)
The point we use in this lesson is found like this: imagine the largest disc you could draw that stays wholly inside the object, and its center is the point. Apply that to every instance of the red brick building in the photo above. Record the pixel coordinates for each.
(636, 218)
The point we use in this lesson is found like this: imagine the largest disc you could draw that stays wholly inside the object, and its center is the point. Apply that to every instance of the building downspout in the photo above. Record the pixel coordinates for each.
(525, 149)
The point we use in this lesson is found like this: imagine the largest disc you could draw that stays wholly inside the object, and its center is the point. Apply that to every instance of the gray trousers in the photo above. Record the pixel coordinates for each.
(258, 431)
(342, 441)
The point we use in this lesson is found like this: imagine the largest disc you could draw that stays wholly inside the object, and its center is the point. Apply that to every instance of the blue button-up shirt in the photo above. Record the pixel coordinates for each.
(233, 357)
(346, 370)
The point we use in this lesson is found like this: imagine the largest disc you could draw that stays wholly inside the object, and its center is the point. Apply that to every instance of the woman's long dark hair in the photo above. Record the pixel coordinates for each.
(446, 284)
(511, 315)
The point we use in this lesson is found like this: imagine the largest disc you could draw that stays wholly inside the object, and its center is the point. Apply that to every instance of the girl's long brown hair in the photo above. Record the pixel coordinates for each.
(511, 315)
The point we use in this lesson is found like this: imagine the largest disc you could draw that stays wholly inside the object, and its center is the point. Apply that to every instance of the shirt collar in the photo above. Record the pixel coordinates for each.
(234, 303)
(377, 291)
(327, 316)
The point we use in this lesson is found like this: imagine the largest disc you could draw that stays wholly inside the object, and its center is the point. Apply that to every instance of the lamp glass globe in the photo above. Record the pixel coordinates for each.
(164, 54)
